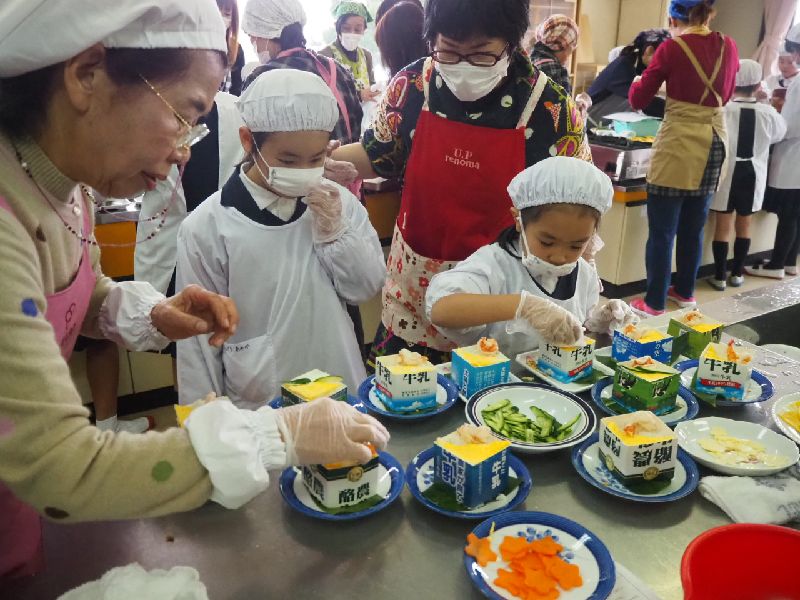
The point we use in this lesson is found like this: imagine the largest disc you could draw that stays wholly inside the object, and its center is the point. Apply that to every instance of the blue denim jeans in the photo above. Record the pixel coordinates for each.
(684, 216)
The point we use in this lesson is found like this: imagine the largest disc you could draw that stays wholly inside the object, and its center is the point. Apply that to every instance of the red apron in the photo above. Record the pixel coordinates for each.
(454, 201)
(20, 527)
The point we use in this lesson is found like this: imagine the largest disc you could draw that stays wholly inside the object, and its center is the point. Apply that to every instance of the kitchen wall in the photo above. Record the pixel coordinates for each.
(613, 23)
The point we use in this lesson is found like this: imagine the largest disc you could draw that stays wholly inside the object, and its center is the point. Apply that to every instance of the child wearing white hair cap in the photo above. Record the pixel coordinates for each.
(752, 128)
(783, 182)
(787, 74)
(532, 286)
(290, 248)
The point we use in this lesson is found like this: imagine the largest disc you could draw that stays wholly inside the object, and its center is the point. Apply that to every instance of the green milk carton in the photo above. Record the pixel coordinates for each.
(646, 384)
(699, 330)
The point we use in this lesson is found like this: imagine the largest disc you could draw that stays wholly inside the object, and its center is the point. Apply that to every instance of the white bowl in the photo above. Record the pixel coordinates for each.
(561, 405)
(690, 433)
(780, 406)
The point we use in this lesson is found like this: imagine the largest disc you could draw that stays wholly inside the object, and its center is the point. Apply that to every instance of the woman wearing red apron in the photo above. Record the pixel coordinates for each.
(112, 100)
(457, 127)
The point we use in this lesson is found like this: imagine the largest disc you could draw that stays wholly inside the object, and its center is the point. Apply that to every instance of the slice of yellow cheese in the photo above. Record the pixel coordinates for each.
(474, 453)
(313, 390)
(705, 327)
(652, 336)
(182, 413)
(636, 440)
(791, 416)
(481, 360)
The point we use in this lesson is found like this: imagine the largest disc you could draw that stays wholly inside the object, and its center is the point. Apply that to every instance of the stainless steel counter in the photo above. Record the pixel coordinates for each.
(266, 550)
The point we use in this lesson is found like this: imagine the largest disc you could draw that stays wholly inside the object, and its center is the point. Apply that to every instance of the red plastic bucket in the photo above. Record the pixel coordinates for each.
(743, 562)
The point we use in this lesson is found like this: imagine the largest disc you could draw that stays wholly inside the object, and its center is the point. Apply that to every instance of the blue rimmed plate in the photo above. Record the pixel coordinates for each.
(419, 477)
(686, 406)
(446, 396)
(354, 402)
(581, 548)
(587, 461)
(560, 404)
(390, 484)
(759, 390)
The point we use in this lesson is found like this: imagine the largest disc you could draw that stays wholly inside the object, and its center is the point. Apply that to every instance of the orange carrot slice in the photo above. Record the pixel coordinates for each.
(547, 546)
(513, 547)
(480, 549)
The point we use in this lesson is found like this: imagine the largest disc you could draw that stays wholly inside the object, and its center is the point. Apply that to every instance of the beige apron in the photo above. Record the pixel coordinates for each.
(683, 144)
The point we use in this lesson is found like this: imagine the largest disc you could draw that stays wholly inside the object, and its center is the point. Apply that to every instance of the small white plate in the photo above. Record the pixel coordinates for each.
(780, 406)
(576, 387)
(561, 405)
(589, 465)
(690, 433)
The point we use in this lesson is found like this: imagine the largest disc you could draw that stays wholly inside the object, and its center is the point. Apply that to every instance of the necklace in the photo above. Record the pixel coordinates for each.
(160, 216)
(75, 209)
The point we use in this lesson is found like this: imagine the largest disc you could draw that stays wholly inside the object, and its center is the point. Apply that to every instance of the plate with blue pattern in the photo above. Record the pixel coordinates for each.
(686, 405)
(354, 402)
(760, 388)
(419, 478)
(581, 547)
(587, 461)
(296, 495)
(446, 396)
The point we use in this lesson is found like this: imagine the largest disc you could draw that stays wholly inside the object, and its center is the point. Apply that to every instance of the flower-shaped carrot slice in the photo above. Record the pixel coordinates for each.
(480, 549)
(567, 575)
(511, 581)
(513, 547)
(539, 581)
(547, 546)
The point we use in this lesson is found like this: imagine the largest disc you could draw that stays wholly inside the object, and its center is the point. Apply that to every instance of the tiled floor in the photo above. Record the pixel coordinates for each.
(705, 293)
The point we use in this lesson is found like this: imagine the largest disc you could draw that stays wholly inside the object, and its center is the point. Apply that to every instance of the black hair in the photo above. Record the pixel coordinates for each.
(462, 19)
(792, 47)
(509, 237)
(399, 36)
(649, 38)
(388, 4)
(292, 37)
(340, 22)
(24, 98)
(748, 90)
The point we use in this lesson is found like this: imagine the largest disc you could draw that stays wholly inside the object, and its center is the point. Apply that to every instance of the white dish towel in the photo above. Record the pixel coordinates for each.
(773, 500)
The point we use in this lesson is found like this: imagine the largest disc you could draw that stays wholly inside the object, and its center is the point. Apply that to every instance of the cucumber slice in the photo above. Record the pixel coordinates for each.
(567, 428)
(497, 406)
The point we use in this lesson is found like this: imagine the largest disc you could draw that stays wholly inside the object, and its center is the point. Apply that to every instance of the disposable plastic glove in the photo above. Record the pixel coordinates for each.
(614, 314)
(554, 324)
(325, 204)
(326, 431)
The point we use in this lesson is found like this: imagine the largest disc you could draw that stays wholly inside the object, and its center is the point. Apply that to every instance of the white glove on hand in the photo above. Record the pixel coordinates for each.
(583, 102)
(554, 324)
(326, 431)
(614, 314)
(592, 248)
(325, 203)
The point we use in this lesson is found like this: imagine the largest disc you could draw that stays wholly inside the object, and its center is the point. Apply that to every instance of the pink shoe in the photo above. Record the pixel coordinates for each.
(640, 307)
(680, 300)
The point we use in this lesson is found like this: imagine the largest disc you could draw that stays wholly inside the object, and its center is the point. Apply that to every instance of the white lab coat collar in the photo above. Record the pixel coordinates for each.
(281, 207)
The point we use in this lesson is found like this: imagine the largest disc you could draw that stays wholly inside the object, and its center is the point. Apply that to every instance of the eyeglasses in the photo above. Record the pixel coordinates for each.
(476, 59)
(190, 134)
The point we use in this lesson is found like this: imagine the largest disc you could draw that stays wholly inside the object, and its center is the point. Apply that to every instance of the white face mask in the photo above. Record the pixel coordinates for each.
(468, 82)
(264, 57)
(351, 41)
(545, 273)
(292, 183)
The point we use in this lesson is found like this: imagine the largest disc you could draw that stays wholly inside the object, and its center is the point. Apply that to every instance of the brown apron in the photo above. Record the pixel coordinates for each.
(683, 144)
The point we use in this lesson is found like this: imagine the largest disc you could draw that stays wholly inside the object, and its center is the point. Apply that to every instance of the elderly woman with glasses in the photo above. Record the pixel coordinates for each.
(457, 126)
(111, 102)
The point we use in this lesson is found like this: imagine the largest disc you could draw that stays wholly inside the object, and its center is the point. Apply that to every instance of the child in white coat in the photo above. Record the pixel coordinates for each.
(288, 246)
(532, 286)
